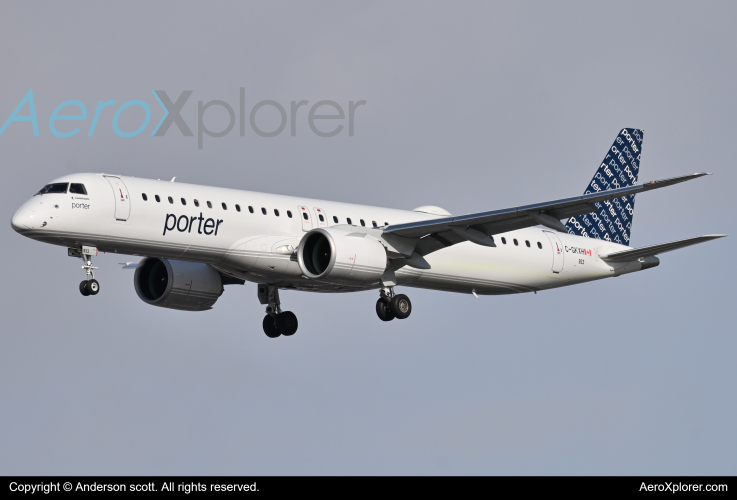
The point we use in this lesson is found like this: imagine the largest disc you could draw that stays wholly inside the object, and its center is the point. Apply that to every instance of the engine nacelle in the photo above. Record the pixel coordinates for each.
(341, 255)
(175, 284)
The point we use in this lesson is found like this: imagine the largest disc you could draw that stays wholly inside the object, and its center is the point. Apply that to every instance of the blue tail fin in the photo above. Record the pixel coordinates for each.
(613, 220)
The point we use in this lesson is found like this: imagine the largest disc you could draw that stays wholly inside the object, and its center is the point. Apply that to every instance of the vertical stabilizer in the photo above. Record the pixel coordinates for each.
(620, 167)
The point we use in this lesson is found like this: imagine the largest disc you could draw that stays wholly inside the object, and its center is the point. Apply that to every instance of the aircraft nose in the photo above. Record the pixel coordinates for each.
(20, 217)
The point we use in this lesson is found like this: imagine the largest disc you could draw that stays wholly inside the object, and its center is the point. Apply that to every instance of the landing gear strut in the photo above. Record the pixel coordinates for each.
(90, 286)
(390, 306)
(276, 322)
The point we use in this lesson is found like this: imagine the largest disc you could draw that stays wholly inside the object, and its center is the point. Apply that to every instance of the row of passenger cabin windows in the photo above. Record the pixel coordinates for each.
(209, 204)
(361, 221)
(250, 209)
(516, 243)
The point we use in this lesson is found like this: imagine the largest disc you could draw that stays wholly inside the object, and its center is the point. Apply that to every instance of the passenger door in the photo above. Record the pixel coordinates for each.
(558, 256)
(122, 201)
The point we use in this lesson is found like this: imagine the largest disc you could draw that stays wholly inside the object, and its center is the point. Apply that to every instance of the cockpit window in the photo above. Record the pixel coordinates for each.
(60, 187)
(77, 188)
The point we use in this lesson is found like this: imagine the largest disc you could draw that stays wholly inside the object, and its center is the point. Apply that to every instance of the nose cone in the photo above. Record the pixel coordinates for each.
(22, 219)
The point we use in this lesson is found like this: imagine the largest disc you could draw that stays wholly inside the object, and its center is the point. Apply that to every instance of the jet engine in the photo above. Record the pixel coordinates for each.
(175, 284)
(341, 255)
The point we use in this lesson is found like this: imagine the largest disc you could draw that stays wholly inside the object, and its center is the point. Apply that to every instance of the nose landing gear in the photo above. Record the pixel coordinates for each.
(90, 286)
(390, 306)
(276, 322)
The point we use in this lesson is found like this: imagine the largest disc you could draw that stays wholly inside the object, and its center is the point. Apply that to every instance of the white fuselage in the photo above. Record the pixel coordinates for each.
(254, 246)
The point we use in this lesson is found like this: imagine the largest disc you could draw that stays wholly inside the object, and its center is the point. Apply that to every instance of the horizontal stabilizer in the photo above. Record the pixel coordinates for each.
(636, 253)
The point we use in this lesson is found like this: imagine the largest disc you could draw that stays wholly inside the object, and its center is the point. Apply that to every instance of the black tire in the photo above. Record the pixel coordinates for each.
(286, 323)
(270, 328)
(93, 286)
(84, 288)
(383, 311)
(401, 306)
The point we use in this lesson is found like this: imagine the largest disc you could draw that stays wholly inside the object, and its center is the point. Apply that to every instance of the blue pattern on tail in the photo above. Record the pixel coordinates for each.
(621, 165)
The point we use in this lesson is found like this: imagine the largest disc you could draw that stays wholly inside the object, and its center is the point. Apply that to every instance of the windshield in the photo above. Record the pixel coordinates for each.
(77, 188)
(60, 187)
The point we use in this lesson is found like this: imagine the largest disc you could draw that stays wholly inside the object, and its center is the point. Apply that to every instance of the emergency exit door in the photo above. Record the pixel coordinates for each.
(304, 214)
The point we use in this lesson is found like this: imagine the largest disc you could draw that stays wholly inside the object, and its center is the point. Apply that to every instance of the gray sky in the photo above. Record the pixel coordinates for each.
(471, 106)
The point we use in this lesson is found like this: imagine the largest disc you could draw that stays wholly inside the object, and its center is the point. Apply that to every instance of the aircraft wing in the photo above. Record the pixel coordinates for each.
(479, 227)
(636, 253)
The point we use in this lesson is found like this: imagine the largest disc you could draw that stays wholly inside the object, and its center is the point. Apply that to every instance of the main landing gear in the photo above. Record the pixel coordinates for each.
(390, 306)
(90, 286)
(276, 322)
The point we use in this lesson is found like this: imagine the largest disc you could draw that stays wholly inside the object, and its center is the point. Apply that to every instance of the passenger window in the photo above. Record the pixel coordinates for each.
(527, 242)
(196, 203)
(515, 242)
(157, 198)
(335, 219)
(348, 219)
(250, 209)
(322, 219)
(289, 214)
(145, 198)
(304, 216)
(60, 187)
(504, 240)
(77, 189)
(209, 205)
(237, 208)
(374, 223)
(171, 200)
(276, 212)
(263, 210)
(225, 207)
(184, 202)
(363, 223)
(539, 245)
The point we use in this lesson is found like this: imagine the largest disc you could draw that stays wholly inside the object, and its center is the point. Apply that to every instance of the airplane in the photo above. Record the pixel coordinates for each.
(196, 239)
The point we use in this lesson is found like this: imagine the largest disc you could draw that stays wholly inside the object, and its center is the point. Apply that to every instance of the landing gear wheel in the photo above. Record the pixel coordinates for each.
(84, 288)
(270, 328)
(400, 306)
(93, 286)
(286, 323)
(383, 311)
